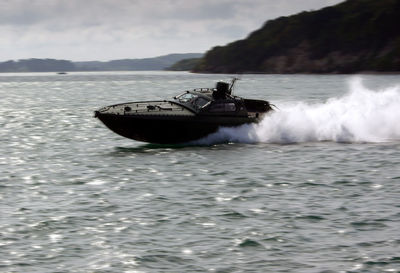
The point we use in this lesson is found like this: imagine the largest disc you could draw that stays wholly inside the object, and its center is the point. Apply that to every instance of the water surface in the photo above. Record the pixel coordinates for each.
(313, 188)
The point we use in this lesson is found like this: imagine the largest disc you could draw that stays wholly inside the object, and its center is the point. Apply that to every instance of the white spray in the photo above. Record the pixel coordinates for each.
(362, 115)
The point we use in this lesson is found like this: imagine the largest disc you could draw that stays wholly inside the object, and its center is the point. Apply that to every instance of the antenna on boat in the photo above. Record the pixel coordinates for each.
(232, 84)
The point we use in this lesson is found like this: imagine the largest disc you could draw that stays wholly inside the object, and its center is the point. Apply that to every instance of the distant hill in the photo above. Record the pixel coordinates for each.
(37, 65)
(353, 36)
(51, 65)
(184, 65)
(157, 63)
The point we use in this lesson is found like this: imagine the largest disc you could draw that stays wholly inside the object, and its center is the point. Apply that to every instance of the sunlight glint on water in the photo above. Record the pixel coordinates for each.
(75, 197)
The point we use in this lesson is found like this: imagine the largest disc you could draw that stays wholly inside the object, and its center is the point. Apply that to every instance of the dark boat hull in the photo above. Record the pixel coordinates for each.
(168, 129)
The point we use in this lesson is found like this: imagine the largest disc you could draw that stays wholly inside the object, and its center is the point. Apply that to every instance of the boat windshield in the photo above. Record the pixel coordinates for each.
(200, 102)
(194, 100)
(186, 97)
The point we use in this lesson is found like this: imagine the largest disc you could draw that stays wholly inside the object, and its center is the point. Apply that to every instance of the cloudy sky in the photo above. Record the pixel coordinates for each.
(116, 29)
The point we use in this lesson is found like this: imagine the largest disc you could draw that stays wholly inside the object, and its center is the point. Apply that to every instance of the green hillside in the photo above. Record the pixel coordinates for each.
(353, 36)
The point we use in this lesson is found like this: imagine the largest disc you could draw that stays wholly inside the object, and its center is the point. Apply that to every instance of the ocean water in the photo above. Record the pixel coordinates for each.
(314, 187)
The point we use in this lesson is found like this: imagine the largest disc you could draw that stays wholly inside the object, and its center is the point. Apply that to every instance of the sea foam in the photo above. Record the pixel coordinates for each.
(361, 115)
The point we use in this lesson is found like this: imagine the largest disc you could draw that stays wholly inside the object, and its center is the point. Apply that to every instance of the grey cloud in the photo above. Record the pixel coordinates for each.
(97, 12)
(79, 29)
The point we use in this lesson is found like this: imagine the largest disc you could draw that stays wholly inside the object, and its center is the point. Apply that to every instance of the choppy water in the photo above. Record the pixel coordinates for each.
(315, 187)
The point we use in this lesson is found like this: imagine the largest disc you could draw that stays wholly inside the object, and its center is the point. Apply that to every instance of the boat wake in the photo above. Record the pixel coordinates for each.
(361, 115)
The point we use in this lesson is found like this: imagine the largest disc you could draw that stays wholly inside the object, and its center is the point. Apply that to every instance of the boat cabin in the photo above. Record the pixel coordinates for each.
(219, 101)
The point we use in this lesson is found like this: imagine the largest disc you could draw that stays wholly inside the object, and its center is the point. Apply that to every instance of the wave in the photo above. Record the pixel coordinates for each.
(361, 115)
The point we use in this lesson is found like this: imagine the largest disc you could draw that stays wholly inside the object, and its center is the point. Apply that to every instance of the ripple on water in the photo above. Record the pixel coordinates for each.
(74, 197)
(249, 243)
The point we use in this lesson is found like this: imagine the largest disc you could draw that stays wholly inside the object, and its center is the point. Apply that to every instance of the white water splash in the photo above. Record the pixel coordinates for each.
(362, 115)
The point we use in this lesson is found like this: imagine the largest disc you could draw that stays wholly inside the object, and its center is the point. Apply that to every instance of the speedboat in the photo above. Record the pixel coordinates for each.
(187, 117)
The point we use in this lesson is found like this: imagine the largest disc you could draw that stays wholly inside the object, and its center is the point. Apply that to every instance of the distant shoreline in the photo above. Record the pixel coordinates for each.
(56, 65)
(210, 73)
